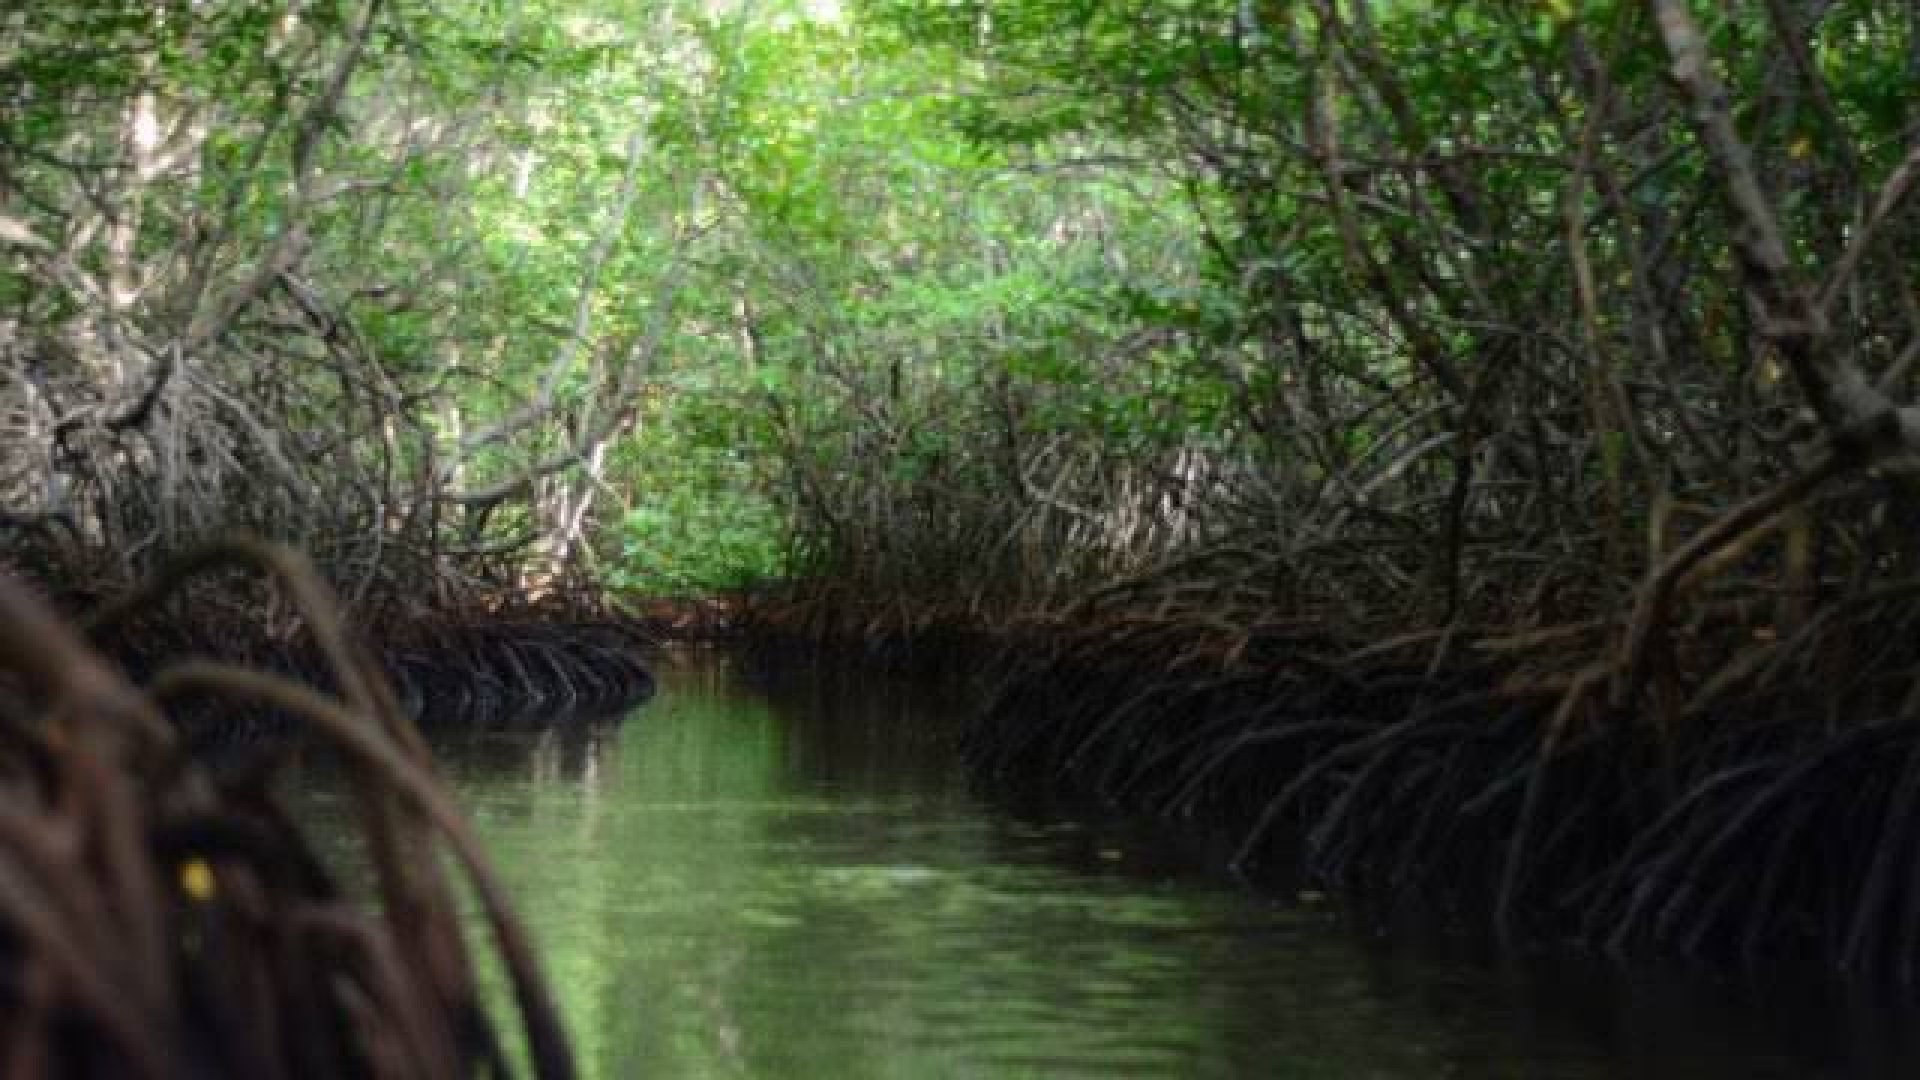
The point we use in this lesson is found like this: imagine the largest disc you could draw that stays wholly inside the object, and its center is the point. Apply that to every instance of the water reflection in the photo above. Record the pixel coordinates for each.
(732, 884)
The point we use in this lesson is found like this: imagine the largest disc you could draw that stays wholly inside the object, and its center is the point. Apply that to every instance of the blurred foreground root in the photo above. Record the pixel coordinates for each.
(157, 922)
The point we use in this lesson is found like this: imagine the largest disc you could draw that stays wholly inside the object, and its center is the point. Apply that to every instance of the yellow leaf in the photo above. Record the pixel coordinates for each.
(196, 879)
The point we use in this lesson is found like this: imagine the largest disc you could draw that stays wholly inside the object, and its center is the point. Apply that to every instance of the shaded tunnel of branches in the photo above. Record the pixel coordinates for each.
(1556, 362)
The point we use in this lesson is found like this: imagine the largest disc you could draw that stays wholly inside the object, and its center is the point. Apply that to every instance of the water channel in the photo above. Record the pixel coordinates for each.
(799, 883)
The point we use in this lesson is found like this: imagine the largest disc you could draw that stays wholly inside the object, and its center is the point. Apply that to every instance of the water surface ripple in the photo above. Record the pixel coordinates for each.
(738, 883)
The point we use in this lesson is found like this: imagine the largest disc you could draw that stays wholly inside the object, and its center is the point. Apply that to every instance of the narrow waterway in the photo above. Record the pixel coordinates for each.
(799, 883)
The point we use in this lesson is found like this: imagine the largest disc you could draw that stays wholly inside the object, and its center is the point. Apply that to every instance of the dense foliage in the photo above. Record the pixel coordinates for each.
(1589, 319)
(406, 284)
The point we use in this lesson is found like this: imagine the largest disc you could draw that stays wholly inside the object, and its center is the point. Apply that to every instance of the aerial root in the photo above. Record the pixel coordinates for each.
(158, 919)
(1746, 831)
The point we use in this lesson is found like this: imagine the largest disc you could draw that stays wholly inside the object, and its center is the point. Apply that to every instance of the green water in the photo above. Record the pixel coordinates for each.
(737, 883)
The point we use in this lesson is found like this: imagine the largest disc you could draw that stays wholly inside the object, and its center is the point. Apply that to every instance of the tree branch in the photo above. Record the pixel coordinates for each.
(1848, 405)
